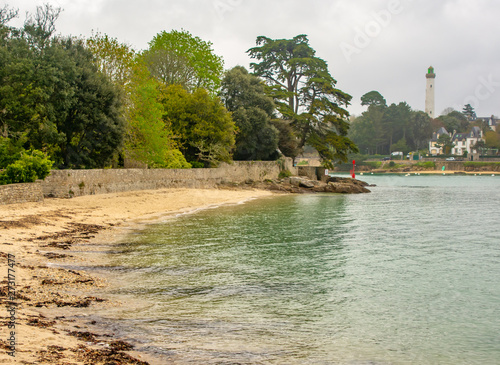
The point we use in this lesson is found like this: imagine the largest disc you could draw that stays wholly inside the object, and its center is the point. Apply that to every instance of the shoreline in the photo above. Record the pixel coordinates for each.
(37, 241)
(422, 172)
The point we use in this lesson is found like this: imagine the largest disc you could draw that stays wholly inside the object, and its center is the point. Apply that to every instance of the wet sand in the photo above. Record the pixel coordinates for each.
(37, 291)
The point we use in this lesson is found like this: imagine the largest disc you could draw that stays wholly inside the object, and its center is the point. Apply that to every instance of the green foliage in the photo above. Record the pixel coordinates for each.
(243, 95)
(492, 139)
(383, 129)
(10, 150)
(454, 121)
(287, 142)
(373, 98)
(149, 140)
(284, 174)
(444, 142)
(112, 58)
(29, 168)
(179, 58)
(469, 112)
(401, 146)
(51, 92)
(305, 94)
(203, 127)
(481, 164)
(426, 165)
(373, 164)
(197, 164)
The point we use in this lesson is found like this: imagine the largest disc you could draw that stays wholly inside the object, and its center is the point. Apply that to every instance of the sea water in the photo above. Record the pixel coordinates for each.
(409, 274)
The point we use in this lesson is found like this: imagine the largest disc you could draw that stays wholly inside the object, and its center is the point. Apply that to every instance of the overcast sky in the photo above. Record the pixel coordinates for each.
(383, 45)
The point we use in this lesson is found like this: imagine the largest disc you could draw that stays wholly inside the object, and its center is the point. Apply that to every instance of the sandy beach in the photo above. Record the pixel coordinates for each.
(34, 292)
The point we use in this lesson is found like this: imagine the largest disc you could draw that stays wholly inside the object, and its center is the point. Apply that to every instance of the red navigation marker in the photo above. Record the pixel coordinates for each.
(352, 171)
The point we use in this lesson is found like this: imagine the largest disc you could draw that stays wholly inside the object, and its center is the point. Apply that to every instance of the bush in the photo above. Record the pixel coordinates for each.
(30, 167)
(197, 164)
(426, 165)
(284, 173)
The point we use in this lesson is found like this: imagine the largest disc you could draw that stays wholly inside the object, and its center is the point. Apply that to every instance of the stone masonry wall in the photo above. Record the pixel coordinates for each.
(21, 193)
(69, 183)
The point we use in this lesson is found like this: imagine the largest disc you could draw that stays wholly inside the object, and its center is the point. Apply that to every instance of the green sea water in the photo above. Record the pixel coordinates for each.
(409, 274)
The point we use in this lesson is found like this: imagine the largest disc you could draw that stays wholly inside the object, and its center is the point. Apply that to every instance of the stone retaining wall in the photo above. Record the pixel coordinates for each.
(70, 183)
(21, 193)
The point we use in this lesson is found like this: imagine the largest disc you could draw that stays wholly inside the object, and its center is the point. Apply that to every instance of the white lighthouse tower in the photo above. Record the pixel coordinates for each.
(429, 92)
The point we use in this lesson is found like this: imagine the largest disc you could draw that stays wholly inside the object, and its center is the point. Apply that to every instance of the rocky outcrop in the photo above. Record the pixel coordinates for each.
(300, 185)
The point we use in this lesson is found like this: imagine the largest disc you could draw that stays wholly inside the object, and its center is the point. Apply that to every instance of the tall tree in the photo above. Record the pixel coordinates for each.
(244, 96)
(469, 112)
(455, 121)
(305, 94)
(40, 27)
(148, 139)
(373, 98)
(112, 58)
(396, 119)
(202, 125)
(179, 58)
(92, 119)
(420, 130)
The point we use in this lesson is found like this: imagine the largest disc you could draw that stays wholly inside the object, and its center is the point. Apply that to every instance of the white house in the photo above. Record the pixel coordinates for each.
(433, 149)
(463, 141)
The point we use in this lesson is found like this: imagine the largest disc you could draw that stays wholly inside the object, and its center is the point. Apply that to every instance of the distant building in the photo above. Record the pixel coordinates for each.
(433, 149)
(492, 122)
(429, 92)
(463, 142)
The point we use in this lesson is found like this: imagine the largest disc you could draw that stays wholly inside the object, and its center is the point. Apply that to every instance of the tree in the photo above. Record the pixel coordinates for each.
(305, 93)
(92, 121)
(369, 130)
(479, 146)
(178, 58)
(244, 96)
(149, 140)
(401, 146)
(396, 121)
(373, 98)
(420, 129)
(40, 27)
(455, 121)
(444, 142)
(203, 128)
(492, 139)
(7, 14)
(112, 58)
(469, 112)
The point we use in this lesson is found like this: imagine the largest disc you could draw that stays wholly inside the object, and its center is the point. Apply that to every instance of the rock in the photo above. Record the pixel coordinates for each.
(301, 182)
(300, 185)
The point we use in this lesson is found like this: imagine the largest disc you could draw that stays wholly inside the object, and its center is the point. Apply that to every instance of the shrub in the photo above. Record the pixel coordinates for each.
(426, 165)
(284, 173)
(30, 167)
